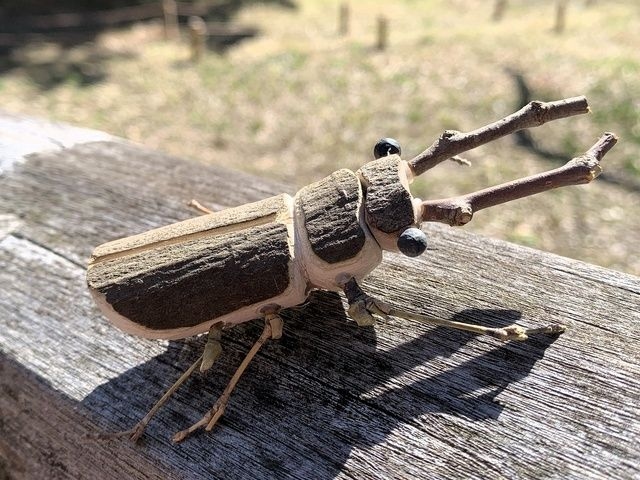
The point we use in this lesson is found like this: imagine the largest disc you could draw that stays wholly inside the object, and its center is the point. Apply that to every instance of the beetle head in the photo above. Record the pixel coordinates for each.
(390, 209)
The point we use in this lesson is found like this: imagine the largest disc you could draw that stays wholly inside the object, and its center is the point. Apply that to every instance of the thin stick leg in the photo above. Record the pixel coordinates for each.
(198, 206)
(511, 332)
(272, 325)
(362, 308)
(211, 352)
(136, 432)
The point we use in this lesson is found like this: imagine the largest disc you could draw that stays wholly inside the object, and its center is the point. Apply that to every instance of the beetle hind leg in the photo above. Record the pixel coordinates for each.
(272, 330)
(363, 307)
(212, 351)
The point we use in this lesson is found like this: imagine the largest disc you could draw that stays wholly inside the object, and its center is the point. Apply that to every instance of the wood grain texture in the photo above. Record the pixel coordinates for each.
(331, 216)
(329, 400)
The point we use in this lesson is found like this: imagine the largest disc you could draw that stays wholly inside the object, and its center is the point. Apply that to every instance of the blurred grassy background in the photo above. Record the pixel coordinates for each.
(299, 101)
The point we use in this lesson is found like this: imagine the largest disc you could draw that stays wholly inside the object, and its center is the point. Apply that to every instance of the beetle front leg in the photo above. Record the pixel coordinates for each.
(510, 332)
(362, 308)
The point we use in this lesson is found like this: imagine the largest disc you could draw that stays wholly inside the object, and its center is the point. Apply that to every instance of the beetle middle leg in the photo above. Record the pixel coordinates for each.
(272, 330)
(363, 307)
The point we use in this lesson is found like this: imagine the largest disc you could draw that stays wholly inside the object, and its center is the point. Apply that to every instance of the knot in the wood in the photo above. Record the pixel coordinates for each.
(588, 166)
(448, 134)
(462, 215)
(539, 111)
(454, 214)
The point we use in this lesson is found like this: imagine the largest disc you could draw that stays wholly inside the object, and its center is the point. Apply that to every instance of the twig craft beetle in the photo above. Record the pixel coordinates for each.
(211, 272)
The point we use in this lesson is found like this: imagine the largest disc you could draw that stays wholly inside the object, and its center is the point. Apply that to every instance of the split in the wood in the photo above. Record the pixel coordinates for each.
(458, 211)
(363, 308)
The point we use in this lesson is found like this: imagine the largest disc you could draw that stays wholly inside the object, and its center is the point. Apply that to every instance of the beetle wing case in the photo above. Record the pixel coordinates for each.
(176, 281)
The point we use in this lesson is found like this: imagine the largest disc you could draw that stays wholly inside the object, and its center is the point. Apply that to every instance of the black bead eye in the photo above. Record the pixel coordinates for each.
(386, 146)
(412, 242)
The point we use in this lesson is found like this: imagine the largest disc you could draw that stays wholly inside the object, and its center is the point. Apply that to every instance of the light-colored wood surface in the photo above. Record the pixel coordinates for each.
(398, 400)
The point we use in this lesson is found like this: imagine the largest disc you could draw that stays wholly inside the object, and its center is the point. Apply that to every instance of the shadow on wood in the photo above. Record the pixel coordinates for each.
(33, 411)
(327, 371)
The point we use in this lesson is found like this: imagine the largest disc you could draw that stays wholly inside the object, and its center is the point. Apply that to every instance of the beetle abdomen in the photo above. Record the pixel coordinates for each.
(182, 285)
(223, 266)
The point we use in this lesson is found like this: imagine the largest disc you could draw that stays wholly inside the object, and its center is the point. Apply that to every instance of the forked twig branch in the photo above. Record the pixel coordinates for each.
(458, 211)
(452, 142)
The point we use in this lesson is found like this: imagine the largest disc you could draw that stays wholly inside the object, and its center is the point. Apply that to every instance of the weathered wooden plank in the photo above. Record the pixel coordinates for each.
(330, 399)
(62, 201)
(38, 447)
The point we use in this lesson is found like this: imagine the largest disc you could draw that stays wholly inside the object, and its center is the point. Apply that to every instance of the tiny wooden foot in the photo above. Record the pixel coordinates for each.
(363, 307)
(198, 206)
(272, 329)
(213, 347)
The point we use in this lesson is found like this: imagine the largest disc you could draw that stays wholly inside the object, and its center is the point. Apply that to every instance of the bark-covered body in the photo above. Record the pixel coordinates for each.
(170, 281)
(236, 264)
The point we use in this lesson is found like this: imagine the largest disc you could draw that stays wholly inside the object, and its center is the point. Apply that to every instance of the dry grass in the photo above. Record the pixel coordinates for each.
(299, 102)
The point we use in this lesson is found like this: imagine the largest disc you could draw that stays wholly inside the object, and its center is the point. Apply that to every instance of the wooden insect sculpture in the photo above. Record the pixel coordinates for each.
(211, 272)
